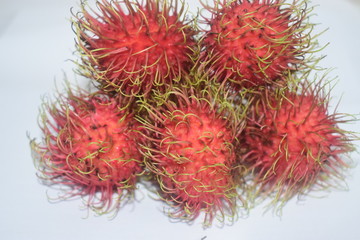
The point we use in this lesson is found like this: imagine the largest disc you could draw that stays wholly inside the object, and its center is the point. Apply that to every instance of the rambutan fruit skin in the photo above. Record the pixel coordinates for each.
(89, 149)
(190, 152)
(131, 47)
(294, 145)
(256, 43)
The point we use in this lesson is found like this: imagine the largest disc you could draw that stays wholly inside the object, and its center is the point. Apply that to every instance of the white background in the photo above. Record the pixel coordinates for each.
(35, 42)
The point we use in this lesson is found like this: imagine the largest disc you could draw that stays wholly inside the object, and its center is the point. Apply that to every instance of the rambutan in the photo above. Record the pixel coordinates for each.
(256, 42)
(190, 152)
(294, 145)
(130, 47)
(89, 149)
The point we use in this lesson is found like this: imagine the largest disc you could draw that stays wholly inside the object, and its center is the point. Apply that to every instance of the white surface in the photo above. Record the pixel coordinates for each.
(36, 40)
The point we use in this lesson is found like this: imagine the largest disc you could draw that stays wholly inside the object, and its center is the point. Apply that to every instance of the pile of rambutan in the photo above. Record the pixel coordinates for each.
(216, 113)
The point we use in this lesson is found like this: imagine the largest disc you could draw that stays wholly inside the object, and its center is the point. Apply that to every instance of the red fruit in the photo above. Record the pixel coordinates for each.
(131, 47)
(253, 43)
(294, 144)
(89, 145)
(191, 153)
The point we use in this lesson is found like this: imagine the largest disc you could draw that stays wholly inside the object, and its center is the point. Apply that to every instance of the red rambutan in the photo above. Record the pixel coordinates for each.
(89, 149)
(190, 151)
(256, 42)
(294, 145)
(130, 47)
